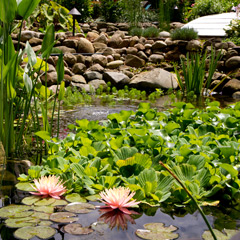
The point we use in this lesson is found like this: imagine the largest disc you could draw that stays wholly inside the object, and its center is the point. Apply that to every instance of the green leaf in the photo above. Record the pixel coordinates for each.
(27, 82)
(8, 10)
(61, 93)
(227, 235)
(229, 168)
(147, 175)
(26, 7)
(48, 40)
(24, 187)
(125, 152)
(74, 197)
(60, 69)
(43, 135)
(78, 207)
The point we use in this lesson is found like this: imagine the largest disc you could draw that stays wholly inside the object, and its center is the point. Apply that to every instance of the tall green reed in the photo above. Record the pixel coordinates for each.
(194, 72)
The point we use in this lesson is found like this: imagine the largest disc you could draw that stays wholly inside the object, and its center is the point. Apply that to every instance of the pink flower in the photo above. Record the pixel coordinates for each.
(49, 186)
(118, 198)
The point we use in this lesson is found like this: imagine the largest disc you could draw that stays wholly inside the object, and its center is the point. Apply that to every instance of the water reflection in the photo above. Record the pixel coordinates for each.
(116, 218)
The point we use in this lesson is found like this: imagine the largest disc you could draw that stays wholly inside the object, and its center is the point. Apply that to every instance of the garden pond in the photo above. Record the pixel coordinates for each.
(172, 219)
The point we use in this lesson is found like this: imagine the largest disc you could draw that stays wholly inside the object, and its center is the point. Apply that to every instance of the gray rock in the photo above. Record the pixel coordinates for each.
(96, 83)
(132, 50)
(123, 26)
(193, 45)
(124, 43)
(92, 75)
(108, 51)
(79, 68)
(68, 71)
(231, 53)
(80, 86)
(156, 58)
(96, 67)
(115, 41)
(80, 58)
(231, 86)
(156, 78)
(164, 34)
(99, 46)
(37, 48)
(66, 49)
(85, 46)
(133, 41)
(116, 78)
(142, 55)
(159, 45)
(91, 36)
(70, 59)
(100, 59)
(115, 64)
(70, 43)
(51, 68)
(27, 35)
(78, 79)
(101, 39)
(233, 62)
(35, 41)
(116, 56)
(134, 61)
(51, 79)
(139, 47)
(236, 95)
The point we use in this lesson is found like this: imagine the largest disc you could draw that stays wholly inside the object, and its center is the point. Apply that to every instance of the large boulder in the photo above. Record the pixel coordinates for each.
(233, 62)
(231, 86)
(134, 61)
(27, 35)
(156, 78)
(85, 46)
(116, 78)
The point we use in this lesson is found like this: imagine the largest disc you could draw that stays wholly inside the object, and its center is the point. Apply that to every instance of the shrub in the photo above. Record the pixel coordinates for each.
(111, 10)
(184, 34)
(233, 29)
(136, 31)
(150, 32)
(235, 40)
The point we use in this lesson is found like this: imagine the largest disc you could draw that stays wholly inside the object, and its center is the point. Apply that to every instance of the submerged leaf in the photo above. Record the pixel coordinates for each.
(157, 231)
(15, 210)
(45, 209)
(77, 229)
(21, 222)
(228, 233)
(79, 207)
(63, 217)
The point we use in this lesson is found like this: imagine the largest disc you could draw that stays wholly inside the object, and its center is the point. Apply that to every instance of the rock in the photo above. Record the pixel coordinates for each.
(221, 45)
(27, 35)
(164, 34)
(123, 26)
(78, 79)
(101, 39)
(173, 55)
(159, 45)
(91, 36)
(92, 75)
(51, 68)
(236, 95)
(115, 41)
(80, 86)
(99, 46)
(97, 83)
(156, 78)
(156, 58)
(67, 79)
(79, 68)
(51, 79)
(100, 59)
(133, 41)
(70, 59)
(124, 43)
(85, 46)
(132, 50)
(88, 61)
(80, 58)
(139, 47)
(37, 48)
(148, 46)
(66, 49)
(134, 61)
(175, 25)
(142, 55)
(108, 51)
(115, 64)
(116, 78)
(68, 71)
(110, 58)
(35, 41)
(231, 86)
(193, 45)
(70, 43)
(233, 62)
(231, 53)
(101, 25)
(96, 67)
(116, 56)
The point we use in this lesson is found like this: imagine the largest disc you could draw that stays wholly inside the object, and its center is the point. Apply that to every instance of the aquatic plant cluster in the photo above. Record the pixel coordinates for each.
(201, 147)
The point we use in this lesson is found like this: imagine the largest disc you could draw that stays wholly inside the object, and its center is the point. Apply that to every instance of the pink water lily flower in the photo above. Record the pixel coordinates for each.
(49, 186)
(118, 198)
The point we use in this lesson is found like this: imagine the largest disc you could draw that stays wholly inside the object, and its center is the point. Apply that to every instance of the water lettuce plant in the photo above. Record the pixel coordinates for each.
(200, 146)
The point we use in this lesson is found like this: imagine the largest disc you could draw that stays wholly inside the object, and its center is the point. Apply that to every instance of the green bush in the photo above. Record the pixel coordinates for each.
(235, 40)
(184, 34)
(150, 32)
(136, 31)
(233, 29)
(111, 10)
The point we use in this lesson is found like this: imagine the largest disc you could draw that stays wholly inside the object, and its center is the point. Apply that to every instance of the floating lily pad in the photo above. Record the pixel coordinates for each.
(45, 202)
(42, 232)
(59, 202)
(80, 207)
(63, 217)
(93, 198)
(77, 229)
(15, 210)
(31, 200)
(24, 186)
(45, 223)
(100, 227)
(157, 231)
(75, 197)
(41, 215)
(46, 209)
(228, 234)
(21, 222)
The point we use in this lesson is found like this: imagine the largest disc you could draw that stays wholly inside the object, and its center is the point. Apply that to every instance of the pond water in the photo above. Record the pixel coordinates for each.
(189, 223)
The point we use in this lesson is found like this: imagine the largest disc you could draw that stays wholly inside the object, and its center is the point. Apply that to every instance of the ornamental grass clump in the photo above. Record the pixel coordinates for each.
(118, 198)
(186, 34)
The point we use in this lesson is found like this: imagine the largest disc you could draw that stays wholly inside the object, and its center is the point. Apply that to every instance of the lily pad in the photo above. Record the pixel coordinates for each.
(15, 211)
(228, 234)
(31, 200)
(24, 186)
(43, 232)
(75, 197)
(80, 207)
(157, 231)
(100, 227)
(41, 215)
(93, 198)
(77, 229)
(45, 209)
(63, 217)
(21, 222)
(45, 202)
(45, 223)
(59, 202)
